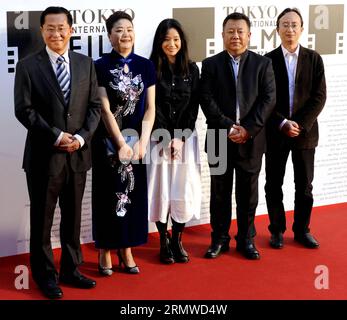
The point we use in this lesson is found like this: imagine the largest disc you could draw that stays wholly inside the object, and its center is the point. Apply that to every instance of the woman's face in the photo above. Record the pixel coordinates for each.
(122, 36)
(171, 44)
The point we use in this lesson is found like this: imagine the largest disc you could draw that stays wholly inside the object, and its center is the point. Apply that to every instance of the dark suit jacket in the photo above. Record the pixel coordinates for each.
(309, 97)
(255, 91)
(40, 107)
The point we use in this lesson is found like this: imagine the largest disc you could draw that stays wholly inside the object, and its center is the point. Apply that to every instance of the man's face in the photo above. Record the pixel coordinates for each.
(289, 29)
(236, 36)
(56, 32)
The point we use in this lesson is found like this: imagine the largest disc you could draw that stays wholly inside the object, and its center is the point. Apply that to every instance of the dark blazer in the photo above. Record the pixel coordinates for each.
(255, 91)
(309, 97)
(40, 107)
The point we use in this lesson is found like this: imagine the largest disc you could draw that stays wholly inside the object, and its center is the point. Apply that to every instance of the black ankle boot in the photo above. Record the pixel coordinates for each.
(180, 255)
(165, 255)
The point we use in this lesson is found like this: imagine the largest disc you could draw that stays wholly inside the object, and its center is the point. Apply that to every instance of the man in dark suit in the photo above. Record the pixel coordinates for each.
(301, 94)
(237, 97)
(56, 99)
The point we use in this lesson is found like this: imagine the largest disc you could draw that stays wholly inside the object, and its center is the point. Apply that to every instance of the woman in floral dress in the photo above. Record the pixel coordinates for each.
(119, 189)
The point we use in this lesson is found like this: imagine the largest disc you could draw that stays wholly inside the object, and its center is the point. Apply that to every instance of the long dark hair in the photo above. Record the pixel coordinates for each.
(158, 56)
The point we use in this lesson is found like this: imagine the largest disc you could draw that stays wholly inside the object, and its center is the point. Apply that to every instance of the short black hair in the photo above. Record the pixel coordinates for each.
(114, 17)
(55, 10)
(237, 16)
(285, 11)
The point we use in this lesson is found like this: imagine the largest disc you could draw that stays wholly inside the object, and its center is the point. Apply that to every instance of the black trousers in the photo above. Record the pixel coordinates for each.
(275, 167)
(246, 194)
(44, 192)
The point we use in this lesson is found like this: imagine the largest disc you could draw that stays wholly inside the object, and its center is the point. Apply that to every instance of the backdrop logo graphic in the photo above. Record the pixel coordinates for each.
(89, 33)
(326, 28)
(23, 35)
(263, 26)
(198, 24)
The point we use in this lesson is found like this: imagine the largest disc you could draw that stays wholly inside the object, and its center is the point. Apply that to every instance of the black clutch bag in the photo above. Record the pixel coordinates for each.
(111, 151)
(110, 148)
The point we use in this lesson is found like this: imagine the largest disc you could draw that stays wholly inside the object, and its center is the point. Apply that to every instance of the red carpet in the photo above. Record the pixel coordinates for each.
(279, 274)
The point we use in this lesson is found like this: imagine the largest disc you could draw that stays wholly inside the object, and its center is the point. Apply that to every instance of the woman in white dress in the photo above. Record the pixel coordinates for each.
(174, 185)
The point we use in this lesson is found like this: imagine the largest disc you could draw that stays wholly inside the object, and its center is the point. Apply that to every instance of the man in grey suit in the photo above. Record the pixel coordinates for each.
(237, 95)
(56, 99)
(293, 127)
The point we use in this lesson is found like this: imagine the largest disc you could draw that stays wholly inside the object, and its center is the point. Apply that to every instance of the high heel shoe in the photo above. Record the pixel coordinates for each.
(127, 269)
(105, 271)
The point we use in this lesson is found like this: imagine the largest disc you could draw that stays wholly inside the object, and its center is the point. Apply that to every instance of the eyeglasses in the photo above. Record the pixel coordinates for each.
(294, 26)
(60, 30)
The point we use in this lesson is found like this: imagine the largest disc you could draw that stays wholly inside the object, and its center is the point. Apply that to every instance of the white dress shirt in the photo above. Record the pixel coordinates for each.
(291, 59)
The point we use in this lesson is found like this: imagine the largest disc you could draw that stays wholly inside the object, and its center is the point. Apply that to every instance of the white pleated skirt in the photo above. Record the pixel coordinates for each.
(174, 186)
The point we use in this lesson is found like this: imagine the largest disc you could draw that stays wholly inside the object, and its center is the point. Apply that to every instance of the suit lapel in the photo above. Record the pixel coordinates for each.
(239, 86)
(229, 71)
(47, 71)
(75, 73)
(281, 65)
(301, 63)
(299, 69)
(229, 80)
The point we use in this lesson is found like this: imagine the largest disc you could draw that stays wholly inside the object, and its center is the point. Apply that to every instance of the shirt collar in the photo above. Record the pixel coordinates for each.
(119, 56)
(53, 56)
(286, 52)
(235, 60)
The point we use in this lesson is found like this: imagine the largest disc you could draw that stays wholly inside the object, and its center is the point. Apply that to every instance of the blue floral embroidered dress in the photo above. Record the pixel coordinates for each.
(119, 191)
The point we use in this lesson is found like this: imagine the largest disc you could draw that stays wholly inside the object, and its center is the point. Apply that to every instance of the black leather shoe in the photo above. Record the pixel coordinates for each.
(276, 240)
(216, 249)
(307, 240)
(248, 250)
(78, 281)
(51, 289)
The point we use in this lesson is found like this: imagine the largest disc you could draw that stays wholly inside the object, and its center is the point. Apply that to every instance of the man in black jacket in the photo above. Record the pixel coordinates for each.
(237, 97)
(293, 126)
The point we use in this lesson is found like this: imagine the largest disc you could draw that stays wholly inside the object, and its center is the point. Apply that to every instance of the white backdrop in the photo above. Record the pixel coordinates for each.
(323, 21)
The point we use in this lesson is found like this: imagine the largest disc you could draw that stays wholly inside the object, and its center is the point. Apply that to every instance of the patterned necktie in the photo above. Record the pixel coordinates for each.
(63, 78)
